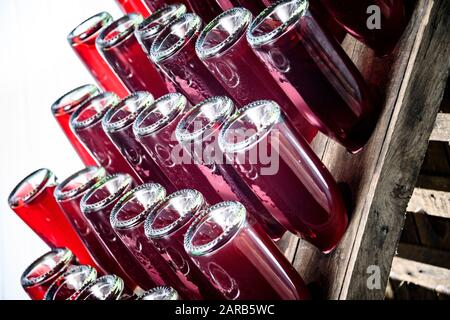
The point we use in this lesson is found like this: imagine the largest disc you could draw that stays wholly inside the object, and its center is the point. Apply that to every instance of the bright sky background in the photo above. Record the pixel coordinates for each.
(36, 67)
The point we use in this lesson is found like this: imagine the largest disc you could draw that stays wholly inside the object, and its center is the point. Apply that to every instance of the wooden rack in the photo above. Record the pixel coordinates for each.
(382, 177)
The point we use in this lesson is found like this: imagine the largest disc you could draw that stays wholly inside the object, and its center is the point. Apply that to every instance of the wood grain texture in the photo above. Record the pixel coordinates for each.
(435, 257)
(441, 131)
(383, 175)
(425, 275)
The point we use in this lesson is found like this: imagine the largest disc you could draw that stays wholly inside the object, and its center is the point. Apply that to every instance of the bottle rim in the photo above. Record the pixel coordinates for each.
(89, 28)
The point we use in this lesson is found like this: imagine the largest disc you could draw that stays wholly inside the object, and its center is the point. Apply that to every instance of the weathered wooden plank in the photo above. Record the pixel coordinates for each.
(382, 176)
(432, 202)
(441, 131)
(435, 257)
(425, 275)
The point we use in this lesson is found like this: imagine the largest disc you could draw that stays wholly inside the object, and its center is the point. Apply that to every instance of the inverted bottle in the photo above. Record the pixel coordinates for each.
(173, 51)
(285, 173)
(119, 46)
(315, 72)
(198, 132)
(34, 202)
(223, 48)
(82, 40)
(63, 108)
(239, 260)
(118, 125)
(39, 276)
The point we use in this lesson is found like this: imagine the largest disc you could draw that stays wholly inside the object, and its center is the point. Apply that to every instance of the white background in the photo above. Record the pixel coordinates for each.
(37, 66)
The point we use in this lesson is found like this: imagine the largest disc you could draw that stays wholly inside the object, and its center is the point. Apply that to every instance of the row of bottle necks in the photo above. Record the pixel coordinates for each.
(258, 160)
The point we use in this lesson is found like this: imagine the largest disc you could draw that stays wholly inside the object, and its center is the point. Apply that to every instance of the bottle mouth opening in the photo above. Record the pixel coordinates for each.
(173, 37)
(135, 205)
(222, 32)
(89, 28)
(79, 183)
(93, 110)
(172, 213)
(118, 31)
(248, 126)
(204, 119)
(105, 192)
(160, 293)
(155, 23)
(30, 187)
(70, 101)
(46, 267)
(159, 114)
(109, 287)
(214, 227)
(73, 281)
(125, 112)
(272, 23)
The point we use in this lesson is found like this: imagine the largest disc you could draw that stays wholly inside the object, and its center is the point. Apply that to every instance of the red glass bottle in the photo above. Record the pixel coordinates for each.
(63, 108)
(156, 5)
(285, 173)
(240, 260)
(166, 226)
(198, 133)
(147, 31)
(119, 46)
(86, 123)
(118, 125)
(377, 23)
(127, 219)
(82, 40)
(223, 48)
(173, 51)
(38, 277)
(69, 285)
(33, 201)
(135, 6)
(109, 287)
(160, 293)
(209, 9)
(68, 194)
(97, 205)
(254, 6)
(155, 128)
(315, 72)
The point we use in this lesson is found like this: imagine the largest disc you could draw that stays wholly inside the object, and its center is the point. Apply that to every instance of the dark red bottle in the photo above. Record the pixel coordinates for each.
(127, 219)
(109, 287)
(240, 260)
(285, 173)
(82, 40)
(86, 123)
(147, 31)
(254, 6)
(119, 46)
(68, 194)
(97, 205)
(315, 72)
(223, 48)
(377, 23)
(118, 125)
(135, 6)
(209, 9)
(173, 51)
(33, 201)
(38, 277)
(69, 285)
(63, 108)
(198, 133)
(155, 130)
(165, 227)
